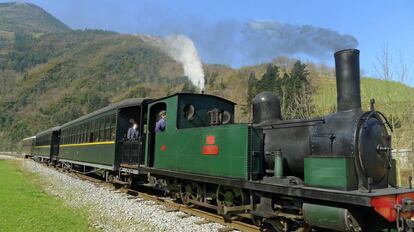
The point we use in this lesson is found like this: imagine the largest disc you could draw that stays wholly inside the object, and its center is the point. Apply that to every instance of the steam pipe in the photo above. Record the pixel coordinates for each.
(348, 79)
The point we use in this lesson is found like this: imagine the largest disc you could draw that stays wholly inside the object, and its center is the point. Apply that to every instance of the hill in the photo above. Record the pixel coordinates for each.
(28, 18)
(50, 74)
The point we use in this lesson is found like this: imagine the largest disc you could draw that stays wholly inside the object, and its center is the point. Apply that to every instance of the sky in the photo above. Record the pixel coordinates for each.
(238, 33)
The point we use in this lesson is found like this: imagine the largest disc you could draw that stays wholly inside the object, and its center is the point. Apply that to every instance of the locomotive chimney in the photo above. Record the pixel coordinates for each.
(347, 79)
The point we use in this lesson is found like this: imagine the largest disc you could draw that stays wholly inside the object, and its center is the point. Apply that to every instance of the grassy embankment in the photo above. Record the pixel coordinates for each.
(25, 207)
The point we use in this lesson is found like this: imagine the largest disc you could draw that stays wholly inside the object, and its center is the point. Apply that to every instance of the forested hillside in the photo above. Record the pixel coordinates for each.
(50, 74)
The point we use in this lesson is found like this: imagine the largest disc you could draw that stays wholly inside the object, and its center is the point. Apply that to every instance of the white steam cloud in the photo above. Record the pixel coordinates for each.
(182, 49)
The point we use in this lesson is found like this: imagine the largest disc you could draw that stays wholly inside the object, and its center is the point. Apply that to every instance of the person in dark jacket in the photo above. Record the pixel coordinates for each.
(160, 125)
(133, 132)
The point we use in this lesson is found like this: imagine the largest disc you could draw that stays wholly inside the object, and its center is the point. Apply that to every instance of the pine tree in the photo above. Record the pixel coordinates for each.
(297, 93)
(299, 74)
(269, 79)
(251, 90)
(188, 87)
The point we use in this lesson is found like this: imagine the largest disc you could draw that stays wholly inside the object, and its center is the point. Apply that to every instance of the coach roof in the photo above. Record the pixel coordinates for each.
(122, 104)
(50, 130)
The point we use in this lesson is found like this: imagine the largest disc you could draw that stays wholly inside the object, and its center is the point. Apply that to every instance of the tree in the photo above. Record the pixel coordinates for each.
(269, 79)
(296, 93)
(400, 112)
(188, 87)
(251, 90)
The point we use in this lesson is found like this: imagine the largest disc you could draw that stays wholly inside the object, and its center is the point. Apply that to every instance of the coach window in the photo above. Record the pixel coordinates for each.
(101, 129)
(107, 127)
(95, 130)
(104, 128)
(76, 134)
(70, 135)
(113, 126)
(90, 130)
(80, 129)
(84, 125)
(80, 133)
(85, 132)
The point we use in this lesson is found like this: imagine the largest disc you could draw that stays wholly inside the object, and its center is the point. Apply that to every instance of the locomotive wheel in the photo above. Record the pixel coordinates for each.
(274, 226)
(257, 221)
(109, 177)
(190, 191)
(229, 197)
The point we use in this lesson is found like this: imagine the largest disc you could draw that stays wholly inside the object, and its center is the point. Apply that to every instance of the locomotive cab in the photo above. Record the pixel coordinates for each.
(199, 137)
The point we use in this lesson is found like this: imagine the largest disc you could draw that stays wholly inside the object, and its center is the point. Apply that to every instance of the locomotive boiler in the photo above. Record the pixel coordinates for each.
(351, 147)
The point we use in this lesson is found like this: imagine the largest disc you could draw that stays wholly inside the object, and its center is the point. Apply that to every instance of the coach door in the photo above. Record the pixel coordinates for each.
(131, 146)
(153, 118)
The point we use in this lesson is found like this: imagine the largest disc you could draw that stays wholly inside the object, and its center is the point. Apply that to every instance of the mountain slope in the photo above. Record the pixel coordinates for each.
(28, 18)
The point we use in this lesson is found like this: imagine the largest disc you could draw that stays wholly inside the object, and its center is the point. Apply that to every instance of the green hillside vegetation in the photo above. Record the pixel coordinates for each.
(51, 74)
(28, 18)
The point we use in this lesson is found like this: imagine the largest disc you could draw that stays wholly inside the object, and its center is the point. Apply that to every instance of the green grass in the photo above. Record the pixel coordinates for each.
(25, 207)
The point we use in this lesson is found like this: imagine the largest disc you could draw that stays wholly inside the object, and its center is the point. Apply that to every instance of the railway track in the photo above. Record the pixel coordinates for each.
(170, 205)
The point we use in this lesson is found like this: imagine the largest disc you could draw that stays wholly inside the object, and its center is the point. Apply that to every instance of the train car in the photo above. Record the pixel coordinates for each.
(96, 140)
(28, 146)
(334, 172)
(46, 146)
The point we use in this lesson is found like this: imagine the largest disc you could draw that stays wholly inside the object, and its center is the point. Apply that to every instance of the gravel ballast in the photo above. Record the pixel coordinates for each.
(112, 211)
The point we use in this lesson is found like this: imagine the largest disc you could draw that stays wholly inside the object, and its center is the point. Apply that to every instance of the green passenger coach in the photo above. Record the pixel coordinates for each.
(47, 144)
(95, 139)
(28, 146)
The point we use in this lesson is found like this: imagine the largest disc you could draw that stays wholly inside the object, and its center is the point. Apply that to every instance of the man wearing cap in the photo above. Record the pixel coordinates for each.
(160, 125)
